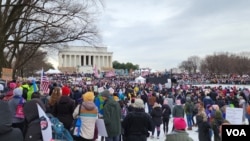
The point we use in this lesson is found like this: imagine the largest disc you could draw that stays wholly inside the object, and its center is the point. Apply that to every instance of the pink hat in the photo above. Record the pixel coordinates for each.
(179, 123)
(12, 85)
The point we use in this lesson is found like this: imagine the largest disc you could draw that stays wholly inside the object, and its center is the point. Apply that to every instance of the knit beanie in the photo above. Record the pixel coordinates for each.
(179, 123)
(18, 92)
(105, 93)
(88, 96)
(138, 103)
(65, 91)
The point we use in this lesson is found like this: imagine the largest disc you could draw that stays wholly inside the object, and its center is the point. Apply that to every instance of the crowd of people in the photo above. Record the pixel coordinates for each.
(121, 105)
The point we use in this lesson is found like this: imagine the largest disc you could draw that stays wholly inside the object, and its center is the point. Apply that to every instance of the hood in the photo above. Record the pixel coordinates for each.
(89, 105)
(5, 118)
(111, 101)
(30, 109)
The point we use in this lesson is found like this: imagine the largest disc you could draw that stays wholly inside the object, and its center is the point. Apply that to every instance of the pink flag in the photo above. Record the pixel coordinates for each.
(96, 72)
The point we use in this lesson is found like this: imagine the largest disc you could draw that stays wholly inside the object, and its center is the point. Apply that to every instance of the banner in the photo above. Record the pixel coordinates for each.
(45, 124)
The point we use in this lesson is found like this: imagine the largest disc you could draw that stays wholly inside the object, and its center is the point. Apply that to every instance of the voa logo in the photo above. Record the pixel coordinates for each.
(236, 132)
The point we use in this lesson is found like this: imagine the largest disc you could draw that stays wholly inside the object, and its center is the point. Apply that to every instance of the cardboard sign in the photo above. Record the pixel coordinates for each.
(7, 73)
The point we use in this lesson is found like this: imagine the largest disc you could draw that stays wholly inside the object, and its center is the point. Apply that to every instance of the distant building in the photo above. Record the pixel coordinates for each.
(77, 58)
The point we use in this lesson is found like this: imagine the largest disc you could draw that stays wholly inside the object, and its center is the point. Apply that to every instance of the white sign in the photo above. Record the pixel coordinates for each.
(101, 128)
(234, 115)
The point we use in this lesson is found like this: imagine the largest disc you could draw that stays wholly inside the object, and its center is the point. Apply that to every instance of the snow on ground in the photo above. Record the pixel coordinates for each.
(192, 133)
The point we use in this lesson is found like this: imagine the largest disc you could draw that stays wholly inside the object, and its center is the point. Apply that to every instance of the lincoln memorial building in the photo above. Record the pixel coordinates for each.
(80, 56)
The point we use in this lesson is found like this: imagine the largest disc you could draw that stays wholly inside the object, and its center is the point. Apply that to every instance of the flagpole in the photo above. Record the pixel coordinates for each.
(41, 79)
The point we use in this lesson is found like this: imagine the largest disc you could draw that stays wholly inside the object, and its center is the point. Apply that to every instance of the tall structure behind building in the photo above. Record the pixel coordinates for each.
(79, 57)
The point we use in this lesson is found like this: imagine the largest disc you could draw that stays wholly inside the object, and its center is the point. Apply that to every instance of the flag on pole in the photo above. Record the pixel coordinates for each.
(96, 72)
(46, 126)
(44, 83)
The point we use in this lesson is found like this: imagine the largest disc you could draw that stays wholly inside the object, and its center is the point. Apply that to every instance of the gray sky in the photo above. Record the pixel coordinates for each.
(160, 34)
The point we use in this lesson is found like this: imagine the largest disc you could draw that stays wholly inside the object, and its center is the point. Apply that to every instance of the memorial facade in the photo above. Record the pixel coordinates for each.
(80, 56)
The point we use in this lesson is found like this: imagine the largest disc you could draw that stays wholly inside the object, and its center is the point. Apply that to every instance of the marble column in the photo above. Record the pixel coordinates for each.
(94, 61)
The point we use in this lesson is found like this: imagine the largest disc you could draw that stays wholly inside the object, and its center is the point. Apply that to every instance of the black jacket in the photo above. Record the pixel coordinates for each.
(137, 125)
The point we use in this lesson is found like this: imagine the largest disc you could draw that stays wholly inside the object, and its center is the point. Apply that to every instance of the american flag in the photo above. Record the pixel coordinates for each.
(44, 83)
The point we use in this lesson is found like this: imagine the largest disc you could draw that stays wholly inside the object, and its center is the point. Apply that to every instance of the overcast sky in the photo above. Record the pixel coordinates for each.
(160, 34)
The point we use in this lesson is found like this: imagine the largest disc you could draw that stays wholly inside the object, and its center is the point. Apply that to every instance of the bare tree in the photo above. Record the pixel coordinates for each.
(186, 66)
(33, 24)
(38, 61)
(225, 63)
(194, 62)
(191, 64)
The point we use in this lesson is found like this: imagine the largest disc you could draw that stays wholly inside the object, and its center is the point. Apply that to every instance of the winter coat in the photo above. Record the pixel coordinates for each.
(88, 115)
(207, 101)
(178, 111)
(189, 107)
(63, 110)
(32, 127)
(178, 135)
(166, 111)
(203, 127)
(112, 117)
(151, 100)
(215, 123)
(156, 115)
(137, 126)
(7, 132)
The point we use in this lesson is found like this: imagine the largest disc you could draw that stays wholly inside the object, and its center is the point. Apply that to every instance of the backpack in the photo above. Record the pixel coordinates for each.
(58, 131)
(19, 109)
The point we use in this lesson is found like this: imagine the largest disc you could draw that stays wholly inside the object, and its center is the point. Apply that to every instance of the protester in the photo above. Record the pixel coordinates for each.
(89, 114)
(53, 99)
(137, 124)
(216, 123)
(179, 133)
(203, 125)
(32, 128)
(111, 116)
(7, 132)
(156, 115)
(64, 108)
(189, 107)
(166, 112)
(13, 104)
